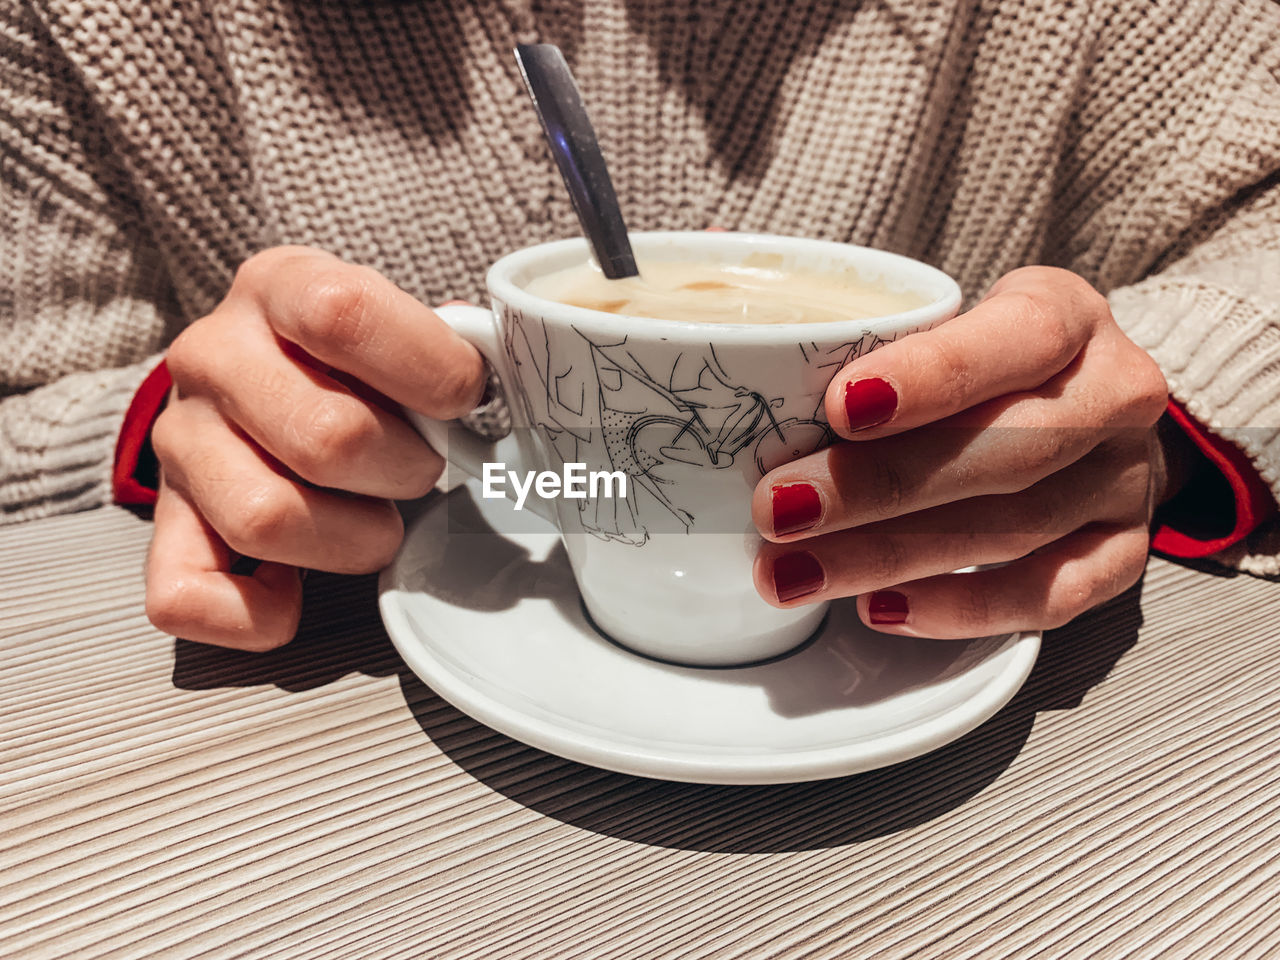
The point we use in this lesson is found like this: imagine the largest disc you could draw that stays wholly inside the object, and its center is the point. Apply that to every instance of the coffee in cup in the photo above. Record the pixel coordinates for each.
(757, 290)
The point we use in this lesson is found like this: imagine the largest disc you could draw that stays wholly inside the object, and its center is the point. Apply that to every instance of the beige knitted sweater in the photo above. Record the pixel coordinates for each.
(149, 146)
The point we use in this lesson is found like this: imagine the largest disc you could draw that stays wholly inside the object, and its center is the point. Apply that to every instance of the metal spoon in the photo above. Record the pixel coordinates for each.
(577, 153)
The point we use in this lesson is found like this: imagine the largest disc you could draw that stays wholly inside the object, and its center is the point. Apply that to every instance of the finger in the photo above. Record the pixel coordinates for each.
(318, 427)
(1002, 446)
(850, 485)
(359, 321)
(191, 594)
(261, 513)
(1109, 485)
(1039, 592)
(1028, 329)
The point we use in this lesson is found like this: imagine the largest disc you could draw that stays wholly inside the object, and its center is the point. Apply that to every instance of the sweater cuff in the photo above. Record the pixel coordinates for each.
(135, 476)
(1220, 507)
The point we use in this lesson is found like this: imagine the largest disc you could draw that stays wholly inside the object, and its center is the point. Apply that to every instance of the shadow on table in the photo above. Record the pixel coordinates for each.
(338, 637)
(803, 816)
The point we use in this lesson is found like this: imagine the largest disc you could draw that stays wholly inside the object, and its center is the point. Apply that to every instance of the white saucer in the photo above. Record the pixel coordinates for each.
(492, 622)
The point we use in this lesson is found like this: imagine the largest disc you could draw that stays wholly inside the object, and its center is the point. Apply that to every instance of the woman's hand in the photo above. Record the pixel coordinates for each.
(282, 442)
(1021, 432)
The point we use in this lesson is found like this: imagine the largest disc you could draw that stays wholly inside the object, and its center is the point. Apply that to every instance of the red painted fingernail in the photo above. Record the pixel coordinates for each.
(797, 575)
(868, 402)
(887, 606)
(796, 507)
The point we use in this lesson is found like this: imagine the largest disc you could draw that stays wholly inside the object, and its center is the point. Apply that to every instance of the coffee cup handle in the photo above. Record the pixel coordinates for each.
(464, 449)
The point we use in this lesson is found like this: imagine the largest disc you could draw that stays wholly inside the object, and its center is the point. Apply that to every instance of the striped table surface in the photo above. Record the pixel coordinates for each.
(160, 798)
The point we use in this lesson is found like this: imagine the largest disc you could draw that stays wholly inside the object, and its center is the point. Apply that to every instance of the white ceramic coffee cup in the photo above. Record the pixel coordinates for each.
(692, 413)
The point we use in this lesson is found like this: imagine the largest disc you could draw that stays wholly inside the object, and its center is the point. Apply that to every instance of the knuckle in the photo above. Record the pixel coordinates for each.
(1037, 515)
(263, 641)
(255, 271)
(264, 267)
(166, 436)
(1053, 336)
(1055, 341)
(1042, 456)
(451, 388)
(1059, 282)
(1080, 586)
(333, 305)
(1061, 610)
(1031, 307)
(188, 353)
(260, 524)
(973, 611)
(1132, 561)
(883, 559)
(887, 487)
(329, 434)
(1140, 393)
(1154, 389)
(1133, 486)
(949, 363)
(1071, 594)
(1144, 396)
(171, 603)
(272, 387)
(389, 545)
(1034, 310)
(423, 475)
(1086, 299)
(382, 540)
(1021, 278)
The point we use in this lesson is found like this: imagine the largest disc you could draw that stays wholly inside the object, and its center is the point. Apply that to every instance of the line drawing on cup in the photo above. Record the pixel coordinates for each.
(655, 412)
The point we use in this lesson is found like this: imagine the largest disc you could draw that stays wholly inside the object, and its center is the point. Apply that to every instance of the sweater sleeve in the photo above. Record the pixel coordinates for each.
(1211, 320)
(1170, 203)
(85, 301)
(57, 441)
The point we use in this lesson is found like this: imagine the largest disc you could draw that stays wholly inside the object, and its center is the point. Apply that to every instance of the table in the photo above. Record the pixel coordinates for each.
(164, 799)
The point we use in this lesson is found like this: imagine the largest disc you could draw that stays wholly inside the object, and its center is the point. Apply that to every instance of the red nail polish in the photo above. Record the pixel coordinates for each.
(868, 402)
(796, 507)
(887, 606)
(797, 575)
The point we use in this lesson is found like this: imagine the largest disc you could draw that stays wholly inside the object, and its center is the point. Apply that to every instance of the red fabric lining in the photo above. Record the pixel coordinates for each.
(135, 436)
(1253, 500)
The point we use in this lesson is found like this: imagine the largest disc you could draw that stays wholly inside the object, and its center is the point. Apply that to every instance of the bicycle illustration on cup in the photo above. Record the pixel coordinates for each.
(655, 415)
(663, 438)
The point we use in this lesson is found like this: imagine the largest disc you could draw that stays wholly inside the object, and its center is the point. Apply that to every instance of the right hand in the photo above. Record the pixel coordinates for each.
(282, 441)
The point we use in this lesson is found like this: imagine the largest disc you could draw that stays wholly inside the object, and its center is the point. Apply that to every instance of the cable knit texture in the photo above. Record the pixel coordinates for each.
(149, 146)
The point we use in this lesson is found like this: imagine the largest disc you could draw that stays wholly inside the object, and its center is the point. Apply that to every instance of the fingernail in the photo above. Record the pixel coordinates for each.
(797, 575)
(887, 606)
(868, 402)
(796, 507)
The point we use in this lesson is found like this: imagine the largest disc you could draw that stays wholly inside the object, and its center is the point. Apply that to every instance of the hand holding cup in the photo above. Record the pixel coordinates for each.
(283, 441)
(1020, 433)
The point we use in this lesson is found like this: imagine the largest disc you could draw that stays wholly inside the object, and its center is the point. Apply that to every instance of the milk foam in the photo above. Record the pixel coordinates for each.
(722, 293)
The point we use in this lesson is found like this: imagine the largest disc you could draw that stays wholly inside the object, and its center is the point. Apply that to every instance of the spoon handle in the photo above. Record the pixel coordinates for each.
(577, 153)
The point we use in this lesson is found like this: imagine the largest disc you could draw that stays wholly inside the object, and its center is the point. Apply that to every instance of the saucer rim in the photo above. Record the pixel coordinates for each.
(790, 766)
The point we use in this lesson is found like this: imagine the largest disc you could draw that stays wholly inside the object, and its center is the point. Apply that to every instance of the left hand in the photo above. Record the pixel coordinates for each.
(1019, 433)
